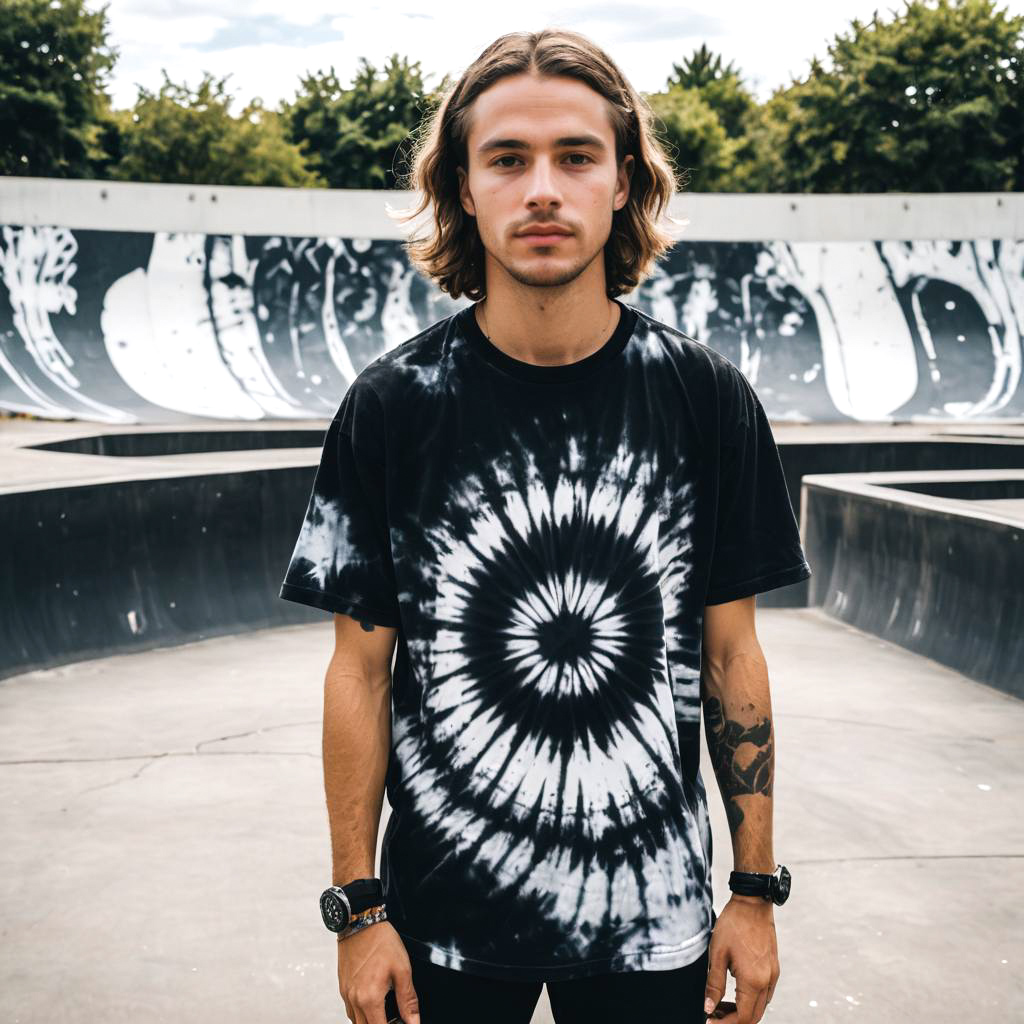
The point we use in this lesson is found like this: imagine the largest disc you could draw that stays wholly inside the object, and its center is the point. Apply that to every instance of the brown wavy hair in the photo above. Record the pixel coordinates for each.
(452, 254)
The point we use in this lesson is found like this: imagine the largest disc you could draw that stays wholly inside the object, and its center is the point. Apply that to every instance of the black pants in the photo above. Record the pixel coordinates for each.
(676, 996)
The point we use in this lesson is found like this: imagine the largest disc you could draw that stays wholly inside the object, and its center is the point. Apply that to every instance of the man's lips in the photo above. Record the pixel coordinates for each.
(544, 237)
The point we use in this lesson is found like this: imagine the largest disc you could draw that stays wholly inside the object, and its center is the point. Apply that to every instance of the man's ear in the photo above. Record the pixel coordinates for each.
(464, 194)
(625, 175)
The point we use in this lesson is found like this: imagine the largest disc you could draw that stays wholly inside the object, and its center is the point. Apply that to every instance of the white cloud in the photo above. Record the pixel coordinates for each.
(770, 44)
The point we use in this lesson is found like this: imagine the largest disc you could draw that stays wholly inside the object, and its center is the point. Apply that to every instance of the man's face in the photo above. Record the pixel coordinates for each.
(541, 151)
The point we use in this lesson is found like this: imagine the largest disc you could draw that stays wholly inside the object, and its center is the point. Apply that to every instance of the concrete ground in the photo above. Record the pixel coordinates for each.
(165, 837)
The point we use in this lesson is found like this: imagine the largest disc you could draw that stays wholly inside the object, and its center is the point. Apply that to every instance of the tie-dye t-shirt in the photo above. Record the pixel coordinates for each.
(545, 539)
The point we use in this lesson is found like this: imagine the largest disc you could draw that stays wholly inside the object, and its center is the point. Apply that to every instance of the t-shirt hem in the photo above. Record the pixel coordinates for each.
(331, 603)
(760, 584)
(651, 959)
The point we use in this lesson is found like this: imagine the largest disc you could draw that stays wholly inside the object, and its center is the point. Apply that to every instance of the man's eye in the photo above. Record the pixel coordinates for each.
(498, 163)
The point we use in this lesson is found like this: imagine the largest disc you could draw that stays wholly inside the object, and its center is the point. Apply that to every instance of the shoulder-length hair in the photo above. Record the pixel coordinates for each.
(452, 254)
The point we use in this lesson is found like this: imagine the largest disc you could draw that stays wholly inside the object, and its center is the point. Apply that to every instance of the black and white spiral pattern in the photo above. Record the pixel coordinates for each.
(544, 757)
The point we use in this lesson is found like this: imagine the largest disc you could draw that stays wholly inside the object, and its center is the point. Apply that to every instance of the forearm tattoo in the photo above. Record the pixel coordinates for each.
(751, 771)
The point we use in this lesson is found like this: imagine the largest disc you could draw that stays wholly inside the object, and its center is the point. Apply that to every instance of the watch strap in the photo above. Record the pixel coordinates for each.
(773, 887)
(751, 883)
(363, 893)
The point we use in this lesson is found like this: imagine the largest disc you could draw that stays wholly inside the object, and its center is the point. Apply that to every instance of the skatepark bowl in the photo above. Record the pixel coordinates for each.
(182, 350)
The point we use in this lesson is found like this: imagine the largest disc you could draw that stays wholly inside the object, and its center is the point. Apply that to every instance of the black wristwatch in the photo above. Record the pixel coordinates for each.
(340, 903)
(774, 887)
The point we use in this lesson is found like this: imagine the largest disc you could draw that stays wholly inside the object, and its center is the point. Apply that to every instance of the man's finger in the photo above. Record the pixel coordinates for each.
(725, 1012)
(747, 998)
(714, 987)
(371, 1008)
(405, 996)
(761, 1005)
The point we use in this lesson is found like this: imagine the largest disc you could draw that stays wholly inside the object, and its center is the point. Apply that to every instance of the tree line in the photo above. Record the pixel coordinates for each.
(927, 99)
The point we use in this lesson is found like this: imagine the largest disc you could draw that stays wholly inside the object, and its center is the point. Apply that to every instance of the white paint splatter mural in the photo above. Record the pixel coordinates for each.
(124, 327)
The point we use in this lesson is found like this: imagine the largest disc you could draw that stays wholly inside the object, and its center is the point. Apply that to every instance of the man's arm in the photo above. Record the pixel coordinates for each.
(341, 563)
(356, 742)
(738, 726)
(740, 735)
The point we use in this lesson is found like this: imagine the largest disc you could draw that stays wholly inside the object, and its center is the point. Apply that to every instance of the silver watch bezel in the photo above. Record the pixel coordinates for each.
(338, 891)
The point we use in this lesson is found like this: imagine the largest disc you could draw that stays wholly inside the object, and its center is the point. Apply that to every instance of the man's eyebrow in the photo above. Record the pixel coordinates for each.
(565, 140)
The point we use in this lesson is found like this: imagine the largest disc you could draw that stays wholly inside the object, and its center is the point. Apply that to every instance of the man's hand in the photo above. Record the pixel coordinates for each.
(743, 941)
(370, 962)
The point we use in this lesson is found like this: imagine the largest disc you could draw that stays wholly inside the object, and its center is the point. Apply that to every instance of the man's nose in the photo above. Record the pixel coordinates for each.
(542, 187)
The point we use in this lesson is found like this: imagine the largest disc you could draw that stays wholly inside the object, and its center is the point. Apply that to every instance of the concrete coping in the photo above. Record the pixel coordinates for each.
(878, 487)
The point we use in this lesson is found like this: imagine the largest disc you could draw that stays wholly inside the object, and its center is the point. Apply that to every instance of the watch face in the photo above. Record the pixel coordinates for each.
(333, 910)
(782, 886)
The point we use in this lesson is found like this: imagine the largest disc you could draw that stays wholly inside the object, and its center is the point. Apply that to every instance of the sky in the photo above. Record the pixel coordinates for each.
(267, 46)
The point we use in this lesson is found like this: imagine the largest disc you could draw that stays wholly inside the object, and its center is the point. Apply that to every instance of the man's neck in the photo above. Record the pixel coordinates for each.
(547, 326)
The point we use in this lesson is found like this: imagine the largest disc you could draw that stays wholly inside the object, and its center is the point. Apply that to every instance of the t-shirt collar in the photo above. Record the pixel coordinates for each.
(537, 373)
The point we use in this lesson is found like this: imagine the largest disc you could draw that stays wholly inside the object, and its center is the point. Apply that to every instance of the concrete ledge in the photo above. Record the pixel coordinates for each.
(910, 557)
(132, 564)
(134, 547)
(363, 213)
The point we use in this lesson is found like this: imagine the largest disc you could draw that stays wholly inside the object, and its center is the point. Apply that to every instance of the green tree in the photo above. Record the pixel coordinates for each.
(182, 135)
(762, 168)
(721, 145)
(931, 100)
(720, 86)
(354, 135)
(55, 62)
(694, 136)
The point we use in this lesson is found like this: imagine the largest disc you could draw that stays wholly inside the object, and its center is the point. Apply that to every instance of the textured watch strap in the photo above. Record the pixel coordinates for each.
(364, 893)
(751, 883)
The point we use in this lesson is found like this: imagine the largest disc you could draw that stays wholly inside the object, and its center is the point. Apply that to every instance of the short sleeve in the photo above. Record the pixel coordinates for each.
(342, 559)
(757, 538)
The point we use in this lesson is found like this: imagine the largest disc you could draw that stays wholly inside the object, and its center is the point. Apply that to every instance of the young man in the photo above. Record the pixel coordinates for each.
(559, 509)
